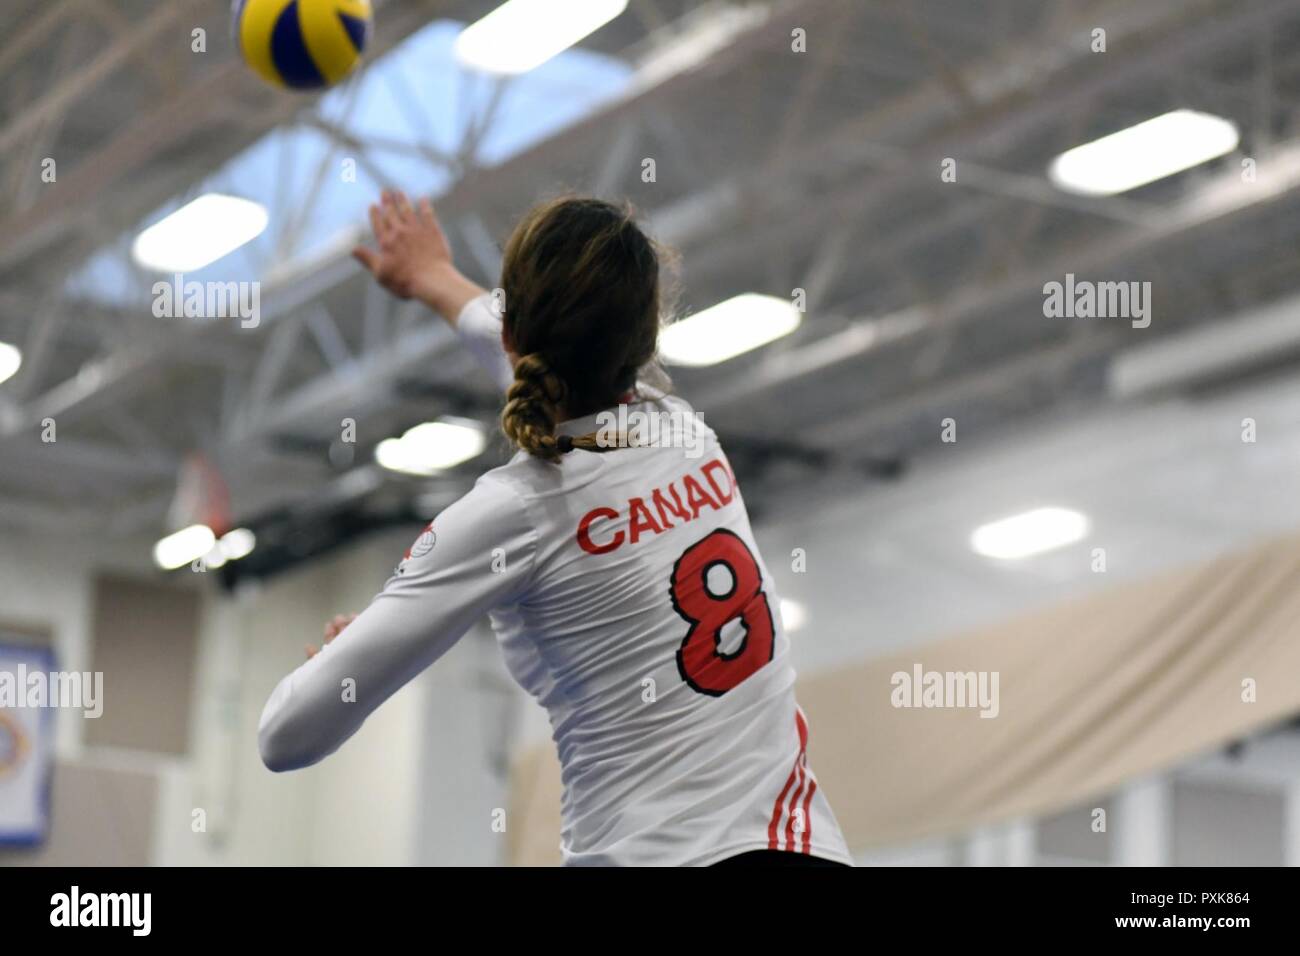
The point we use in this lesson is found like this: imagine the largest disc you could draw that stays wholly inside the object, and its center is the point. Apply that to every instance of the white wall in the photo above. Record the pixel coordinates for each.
(1201, 814)
(417, 759)
(469, 710)
(1167, 484)
(363, 797)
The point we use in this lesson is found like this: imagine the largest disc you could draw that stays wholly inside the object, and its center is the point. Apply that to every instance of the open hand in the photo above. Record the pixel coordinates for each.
(413, 249)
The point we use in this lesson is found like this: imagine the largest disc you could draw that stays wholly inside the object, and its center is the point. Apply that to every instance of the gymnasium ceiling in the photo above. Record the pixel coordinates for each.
(775, 170)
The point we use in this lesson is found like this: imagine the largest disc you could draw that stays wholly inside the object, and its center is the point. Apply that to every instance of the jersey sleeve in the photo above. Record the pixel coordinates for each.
(476, 555)
(479, 328)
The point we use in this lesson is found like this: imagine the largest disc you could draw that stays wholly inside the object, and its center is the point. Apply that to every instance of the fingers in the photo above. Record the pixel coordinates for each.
(335, 625)
(367, 257)
(379, 223)
(426, 216)
(396, 207)
(398, 227)
(395, 212)
(387, 218)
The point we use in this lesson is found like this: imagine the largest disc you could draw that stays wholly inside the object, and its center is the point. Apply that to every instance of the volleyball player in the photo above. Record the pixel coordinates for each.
(621, 578)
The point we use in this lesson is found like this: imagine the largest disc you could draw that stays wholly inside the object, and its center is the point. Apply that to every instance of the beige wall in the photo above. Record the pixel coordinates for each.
(104, 815)
(145, 638)
(1092, 693)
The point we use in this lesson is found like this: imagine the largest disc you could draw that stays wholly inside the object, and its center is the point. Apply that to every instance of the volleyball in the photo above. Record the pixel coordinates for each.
(302, 44)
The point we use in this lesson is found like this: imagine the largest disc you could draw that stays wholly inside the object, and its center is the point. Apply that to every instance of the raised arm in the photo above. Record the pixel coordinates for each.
(413, 261)
(413, 258)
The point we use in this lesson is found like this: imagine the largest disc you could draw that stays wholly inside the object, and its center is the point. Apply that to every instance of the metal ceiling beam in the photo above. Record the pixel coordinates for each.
(220, 94)
(1021, 86)
(120, 373)
(1006, 93)
(1197, 37)
(483, 183)
(103, 460)
(34, 32)
(348, 390)
(1226, 198)
(123, 48)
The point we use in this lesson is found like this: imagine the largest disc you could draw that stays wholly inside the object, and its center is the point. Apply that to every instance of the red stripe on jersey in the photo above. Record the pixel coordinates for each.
(790, 838)
(807, 814)
(779, 807)
(802, 724)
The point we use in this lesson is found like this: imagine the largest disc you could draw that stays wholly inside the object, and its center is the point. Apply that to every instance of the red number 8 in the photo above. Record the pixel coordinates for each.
(701, 663)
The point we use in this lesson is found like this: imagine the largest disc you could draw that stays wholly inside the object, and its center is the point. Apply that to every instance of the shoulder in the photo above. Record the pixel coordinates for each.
(529, 477)
(504, 488)
(490, 519)
(670, 405)
(522, 484)
(684, 411)
(496, 505)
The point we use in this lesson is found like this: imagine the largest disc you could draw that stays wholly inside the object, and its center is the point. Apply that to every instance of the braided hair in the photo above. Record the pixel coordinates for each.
(581, 284)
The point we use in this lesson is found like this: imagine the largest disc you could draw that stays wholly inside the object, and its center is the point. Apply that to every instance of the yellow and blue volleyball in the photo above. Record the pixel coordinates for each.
(302, 44)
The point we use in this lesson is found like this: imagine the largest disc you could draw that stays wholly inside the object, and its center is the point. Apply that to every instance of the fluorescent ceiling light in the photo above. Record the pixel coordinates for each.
(236, 544)
(793, 615)
(1141, 154)
(521, 35)
(727, 329)
(199, 233)
(10, 359)
(696, 37)
(179, 549)
(431, 447)
(1033, 532)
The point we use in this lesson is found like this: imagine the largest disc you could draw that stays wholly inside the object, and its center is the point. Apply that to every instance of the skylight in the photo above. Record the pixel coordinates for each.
(416, 93)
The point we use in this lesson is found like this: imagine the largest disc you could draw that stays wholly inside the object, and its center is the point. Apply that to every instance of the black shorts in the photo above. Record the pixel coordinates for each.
(776, 858)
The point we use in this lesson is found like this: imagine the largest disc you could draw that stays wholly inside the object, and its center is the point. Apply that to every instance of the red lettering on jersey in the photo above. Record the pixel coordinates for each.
(640, 520)
(708, 469)
(584, 532)
(662, 505)
(696, 496)
(664, 501)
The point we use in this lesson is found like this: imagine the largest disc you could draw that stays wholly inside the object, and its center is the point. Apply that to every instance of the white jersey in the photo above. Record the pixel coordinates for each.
(630, 600)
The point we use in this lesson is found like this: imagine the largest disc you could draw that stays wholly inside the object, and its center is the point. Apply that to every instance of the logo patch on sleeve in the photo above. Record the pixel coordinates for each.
(423, 544)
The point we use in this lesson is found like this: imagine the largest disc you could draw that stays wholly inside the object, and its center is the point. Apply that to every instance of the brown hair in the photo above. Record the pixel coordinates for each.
(581, 284)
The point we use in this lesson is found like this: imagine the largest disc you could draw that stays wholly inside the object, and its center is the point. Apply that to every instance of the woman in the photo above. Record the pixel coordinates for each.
(623, 582)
